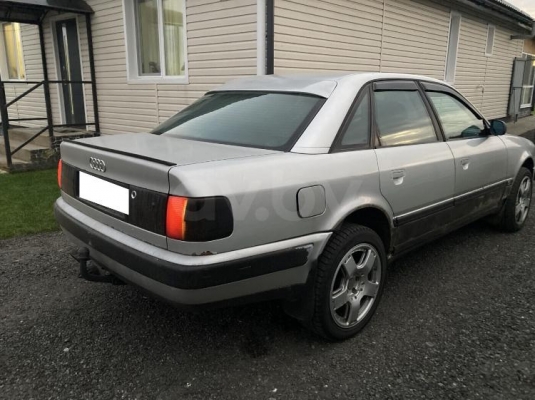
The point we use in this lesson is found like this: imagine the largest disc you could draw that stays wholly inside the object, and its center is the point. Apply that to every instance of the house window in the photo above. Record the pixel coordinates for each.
(14, 61)
(491, 31)
(453, 44)
(156, 40)
(528, 84)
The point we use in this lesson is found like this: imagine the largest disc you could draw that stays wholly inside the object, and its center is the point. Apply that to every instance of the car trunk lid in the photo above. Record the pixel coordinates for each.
(137, 166)
(168, 149)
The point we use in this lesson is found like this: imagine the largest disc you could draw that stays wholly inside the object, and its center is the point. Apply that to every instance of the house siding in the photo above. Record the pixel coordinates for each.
(395, 36)
(310, 35)
(222, 40)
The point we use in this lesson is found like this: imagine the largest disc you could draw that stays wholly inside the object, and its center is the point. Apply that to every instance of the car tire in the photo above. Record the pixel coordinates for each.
(517, 204)
(349, 282)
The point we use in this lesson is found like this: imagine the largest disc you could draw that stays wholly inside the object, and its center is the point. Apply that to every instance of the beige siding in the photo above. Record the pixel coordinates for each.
(221, 46)
(360, 35)
(310, 35)
(327, 35)
(415, 38)
(409, 36)
(498, 74)
(485, 80)
(471, 59)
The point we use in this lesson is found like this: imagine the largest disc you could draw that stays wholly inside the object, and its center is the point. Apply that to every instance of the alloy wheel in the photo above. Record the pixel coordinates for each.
(355, 285)
(523, 200)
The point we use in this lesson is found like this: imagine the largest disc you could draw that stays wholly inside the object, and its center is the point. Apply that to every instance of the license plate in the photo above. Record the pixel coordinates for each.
(104, 193)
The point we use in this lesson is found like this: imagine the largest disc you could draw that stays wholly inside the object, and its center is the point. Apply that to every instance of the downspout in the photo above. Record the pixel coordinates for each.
(261, 37)
(270, 37)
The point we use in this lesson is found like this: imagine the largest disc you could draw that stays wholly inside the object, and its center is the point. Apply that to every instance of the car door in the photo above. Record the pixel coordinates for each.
(480, 157)
(416, 167)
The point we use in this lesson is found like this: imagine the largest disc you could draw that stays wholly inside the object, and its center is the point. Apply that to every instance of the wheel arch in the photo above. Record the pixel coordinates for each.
(528, 163)
(374, 218)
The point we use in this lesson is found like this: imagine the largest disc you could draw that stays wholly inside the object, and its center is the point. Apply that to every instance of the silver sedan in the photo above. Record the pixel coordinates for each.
(300, 188)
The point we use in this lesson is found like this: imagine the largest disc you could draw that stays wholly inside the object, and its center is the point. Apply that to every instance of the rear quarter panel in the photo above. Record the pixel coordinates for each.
(263, 194)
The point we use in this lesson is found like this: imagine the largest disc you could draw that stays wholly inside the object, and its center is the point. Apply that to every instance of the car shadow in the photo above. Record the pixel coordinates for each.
(253, 329)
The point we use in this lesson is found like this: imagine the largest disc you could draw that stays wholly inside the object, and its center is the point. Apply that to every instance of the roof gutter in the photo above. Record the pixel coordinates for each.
(528, 36)
(500, 11)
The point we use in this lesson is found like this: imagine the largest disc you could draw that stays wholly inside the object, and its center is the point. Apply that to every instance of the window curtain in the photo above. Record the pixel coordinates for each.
(173, 31)
(13, 46)
(148, 37)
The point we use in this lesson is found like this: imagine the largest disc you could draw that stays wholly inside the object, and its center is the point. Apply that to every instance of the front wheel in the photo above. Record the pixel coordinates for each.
(518, 202)
(349, 283)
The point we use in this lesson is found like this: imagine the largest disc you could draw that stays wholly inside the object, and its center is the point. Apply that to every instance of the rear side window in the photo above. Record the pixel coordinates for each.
(253, 119)
(402, 118)
(457, 121)
(356, 132)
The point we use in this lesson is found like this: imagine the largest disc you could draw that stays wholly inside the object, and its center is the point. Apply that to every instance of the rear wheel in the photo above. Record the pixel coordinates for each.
(349, 282)
(518, 202)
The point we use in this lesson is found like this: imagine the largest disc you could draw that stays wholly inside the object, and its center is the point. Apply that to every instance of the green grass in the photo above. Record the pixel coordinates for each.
(26, 203)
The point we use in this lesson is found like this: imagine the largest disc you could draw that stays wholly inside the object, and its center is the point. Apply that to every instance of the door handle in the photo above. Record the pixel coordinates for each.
(465, 163)
(397, 176)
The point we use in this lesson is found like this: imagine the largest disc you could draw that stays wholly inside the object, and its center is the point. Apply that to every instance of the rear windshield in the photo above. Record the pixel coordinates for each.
(253, 119)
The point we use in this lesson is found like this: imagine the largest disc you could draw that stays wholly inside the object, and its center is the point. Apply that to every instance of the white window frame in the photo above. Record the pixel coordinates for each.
(451, 63)
(489, 28)
(4, 68)
(130, 31)
(524, 87)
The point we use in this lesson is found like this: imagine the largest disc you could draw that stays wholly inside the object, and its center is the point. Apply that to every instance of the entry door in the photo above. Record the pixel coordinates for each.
(417, 172)
(517, 82)
(480, 158)
(70, 70)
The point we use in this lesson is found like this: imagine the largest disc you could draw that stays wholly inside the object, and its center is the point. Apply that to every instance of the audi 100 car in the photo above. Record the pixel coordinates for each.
(298, 188)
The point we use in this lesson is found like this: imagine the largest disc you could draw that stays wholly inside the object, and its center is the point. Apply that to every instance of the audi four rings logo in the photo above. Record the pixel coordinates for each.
(97, 164)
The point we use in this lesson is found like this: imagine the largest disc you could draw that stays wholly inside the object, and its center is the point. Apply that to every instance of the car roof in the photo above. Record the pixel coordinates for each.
(319, 85)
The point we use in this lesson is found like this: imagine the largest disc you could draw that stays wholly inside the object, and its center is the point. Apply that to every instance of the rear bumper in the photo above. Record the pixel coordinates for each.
(193, 280)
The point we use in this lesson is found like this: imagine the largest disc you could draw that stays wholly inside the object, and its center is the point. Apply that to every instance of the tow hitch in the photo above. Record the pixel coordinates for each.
(92, 273)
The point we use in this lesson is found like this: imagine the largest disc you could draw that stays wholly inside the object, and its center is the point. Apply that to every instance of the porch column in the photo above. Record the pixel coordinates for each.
(5, 122)
(92, 69)
(46, 86)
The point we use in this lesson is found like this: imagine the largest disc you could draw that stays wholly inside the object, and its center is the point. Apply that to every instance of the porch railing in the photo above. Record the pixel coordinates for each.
(6, 121)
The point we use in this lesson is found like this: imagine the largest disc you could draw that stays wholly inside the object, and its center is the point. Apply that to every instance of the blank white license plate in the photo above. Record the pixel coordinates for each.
(103, 193)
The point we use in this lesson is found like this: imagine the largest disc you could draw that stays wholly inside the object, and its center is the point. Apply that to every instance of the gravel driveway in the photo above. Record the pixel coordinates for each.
(457, 321)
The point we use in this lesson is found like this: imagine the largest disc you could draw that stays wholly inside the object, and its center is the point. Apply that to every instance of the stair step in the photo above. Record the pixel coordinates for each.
(27, 153)
(23, 134)
(17, 164)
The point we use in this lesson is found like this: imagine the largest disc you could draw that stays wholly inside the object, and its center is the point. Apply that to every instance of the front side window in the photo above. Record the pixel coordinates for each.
(458, 121)
(13, 51)
(402, 118)
(252, 119)
(157, 39)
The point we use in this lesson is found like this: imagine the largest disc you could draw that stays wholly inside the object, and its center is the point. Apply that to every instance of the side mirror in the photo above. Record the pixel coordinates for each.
(498, 127)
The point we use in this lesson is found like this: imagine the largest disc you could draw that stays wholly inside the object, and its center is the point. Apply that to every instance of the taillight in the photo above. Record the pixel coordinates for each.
(198, 219)
(175, 224)
(60, 170)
